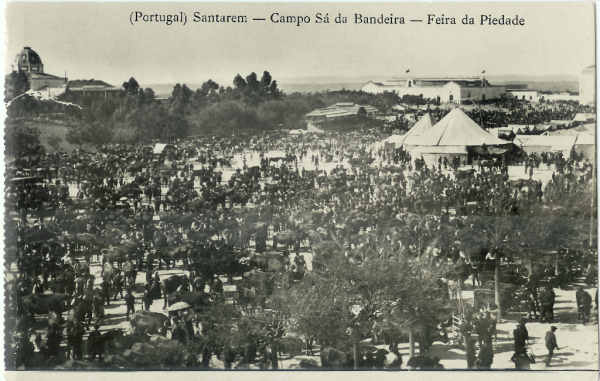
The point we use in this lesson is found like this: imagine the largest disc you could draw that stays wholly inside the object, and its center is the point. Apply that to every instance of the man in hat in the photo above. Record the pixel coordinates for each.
(521, 335)
(147, 298)
(130, 302)
(551, 344)
(584, 304)
(179, 333)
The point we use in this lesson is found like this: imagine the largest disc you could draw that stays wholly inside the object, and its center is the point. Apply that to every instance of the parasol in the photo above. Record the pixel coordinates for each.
(178, 306)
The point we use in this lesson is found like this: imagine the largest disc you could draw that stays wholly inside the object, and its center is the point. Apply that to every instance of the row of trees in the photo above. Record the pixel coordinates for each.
(252, 105)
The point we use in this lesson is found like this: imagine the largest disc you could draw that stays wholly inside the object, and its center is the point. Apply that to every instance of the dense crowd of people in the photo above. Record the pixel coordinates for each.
(511, 112)
(241, 221)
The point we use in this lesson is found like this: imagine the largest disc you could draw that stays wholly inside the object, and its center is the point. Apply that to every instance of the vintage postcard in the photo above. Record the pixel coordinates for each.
(300, 187)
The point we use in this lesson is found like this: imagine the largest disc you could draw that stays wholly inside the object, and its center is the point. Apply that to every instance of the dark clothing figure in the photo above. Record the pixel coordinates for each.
(522, 361)
(130, 301)
(471, 355)
(547, 301)
(117, 286)
(106, 291)
(521, 335)
(228, 357)
(75, 339)
(147, 299)
(24, 352)
(551, 344)
(179, 333)
(584, 304)
(95, 344)
(485, 358)
(53, 341)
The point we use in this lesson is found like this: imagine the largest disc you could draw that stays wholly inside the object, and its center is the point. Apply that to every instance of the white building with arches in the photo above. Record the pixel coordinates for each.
(442, 89)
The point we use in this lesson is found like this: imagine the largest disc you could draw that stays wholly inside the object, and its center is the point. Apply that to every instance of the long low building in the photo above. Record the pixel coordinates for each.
(92, 87)
(441, 89)
(529, 95)
(339, 111)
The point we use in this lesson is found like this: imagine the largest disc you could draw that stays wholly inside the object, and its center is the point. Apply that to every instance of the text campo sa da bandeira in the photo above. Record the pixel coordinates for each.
(275, 17)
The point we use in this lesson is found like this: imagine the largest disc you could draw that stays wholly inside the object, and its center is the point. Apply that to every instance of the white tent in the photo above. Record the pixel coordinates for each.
(449, 138)
(417, 130)
(159, 148)
(546, 143)
(455, 129)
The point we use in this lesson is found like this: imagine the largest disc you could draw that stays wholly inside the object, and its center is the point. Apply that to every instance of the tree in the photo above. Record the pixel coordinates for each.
(239, 82)
(22, 141)
(227, 117)
(148, 95)
(265, 80)
(362, 113)
(366, 284)
(15, 84)
(252, 82)
(131, 87)
(94, 133)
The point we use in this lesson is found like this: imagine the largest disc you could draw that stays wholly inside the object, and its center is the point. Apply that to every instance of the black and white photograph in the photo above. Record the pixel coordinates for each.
(396, 186)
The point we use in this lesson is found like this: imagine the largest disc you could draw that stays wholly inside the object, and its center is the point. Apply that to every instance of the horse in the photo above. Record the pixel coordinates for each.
(333, 358)
(145, 322)
(195, 299)
(172, 284)
(45, 303)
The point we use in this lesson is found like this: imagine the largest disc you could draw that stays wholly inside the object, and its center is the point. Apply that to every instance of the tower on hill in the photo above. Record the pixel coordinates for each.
(30, 63)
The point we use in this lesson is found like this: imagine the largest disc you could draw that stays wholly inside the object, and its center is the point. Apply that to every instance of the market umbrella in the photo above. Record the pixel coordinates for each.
(178, 306)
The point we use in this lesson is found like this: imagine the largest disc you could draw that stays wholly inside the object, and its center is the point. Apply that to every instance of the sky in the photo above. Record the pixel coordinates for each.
(96, 40)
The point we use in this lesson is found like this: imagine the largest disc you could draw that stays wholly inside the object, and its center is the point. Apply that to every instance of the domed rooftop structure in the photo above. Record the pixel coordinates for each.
(28, 61)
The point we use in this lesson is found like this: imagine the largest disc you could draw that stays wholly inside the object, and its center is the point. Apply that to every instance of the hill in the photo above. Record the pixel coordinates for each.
(53, 132)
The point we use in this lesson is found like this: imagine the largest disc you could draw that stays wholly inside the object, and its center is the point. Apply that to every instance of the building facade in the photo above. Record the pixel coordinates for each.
(524, 94)
(441, 89)
(91, 88)
(30, 63)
